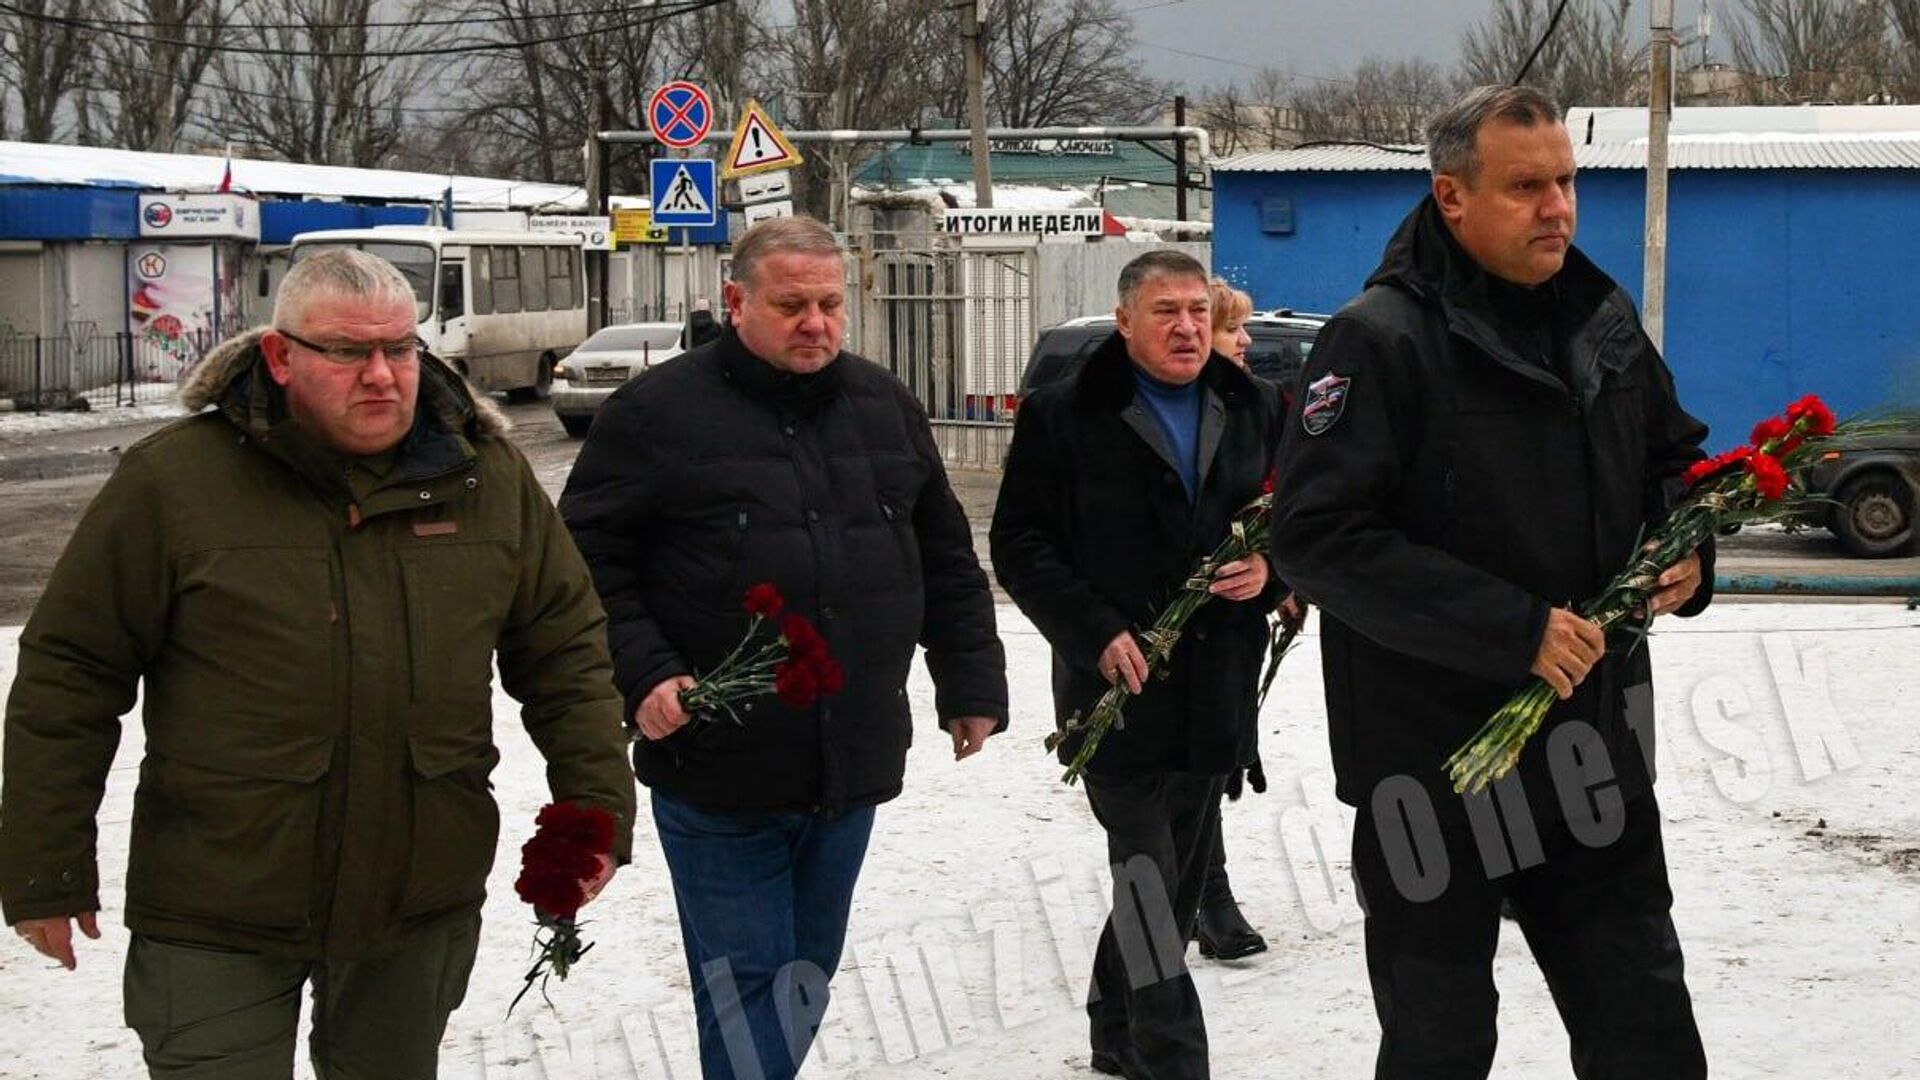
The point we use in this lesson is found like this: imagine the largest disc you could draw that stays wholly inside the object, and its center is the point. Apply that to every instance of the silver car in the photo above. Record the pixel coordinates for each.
(604, 362)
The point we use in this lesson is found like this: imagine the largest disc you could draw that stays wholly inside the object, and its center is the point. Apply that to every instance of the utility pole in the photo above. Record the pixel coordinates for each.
(1179, 159)
(976, 49)
(597, 177)
(1653, 305)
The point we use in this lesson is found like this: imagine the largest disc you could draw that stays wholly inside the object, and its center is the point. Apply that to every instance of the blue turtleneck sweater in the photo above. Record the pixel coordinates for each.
(1177, 408)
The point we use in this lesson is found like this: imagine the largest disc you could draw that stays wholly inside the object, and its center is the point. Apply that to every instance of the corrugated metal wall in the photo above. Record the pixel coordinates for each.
(1780, 282)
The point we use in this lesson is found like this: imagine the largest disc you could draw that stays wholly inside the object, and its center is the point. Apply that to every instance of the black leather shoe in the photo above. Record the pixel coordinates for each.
(1223, 933)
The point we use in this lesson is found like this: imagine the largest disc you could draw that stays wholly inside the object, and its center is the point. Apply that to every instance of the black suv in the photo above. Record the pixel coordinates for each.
(1281, 342)
(1873, 484)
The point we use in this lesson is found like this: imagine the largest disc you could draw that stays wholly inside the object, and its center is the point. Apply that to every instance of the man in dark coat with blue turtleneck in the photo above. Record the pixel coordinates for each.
(1118, 481)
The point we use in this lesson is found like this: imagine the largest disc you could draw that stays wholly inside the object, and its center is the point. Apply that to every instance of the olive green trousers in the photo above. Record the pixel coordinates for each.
(205, 1013)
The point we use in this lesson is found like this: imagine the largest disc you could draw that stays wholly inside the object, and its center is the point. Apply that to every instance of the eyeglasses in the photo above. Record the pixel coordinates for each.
(404, 351)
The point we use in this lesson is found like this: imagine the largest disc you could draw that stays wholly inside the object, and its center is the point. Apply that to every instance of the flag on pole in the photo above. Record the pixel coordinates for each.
(226, 178)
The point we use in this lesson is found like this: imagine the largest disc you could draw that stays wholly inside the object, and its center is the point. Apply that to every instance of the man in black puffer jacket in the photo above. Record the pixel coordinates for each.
(1480, 440)
(1118, 481)
(771, 456)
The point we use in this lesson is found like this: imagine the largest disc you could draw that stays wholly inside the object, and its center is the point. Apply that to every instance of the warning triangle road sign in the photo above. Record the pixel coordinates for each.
(758, 146)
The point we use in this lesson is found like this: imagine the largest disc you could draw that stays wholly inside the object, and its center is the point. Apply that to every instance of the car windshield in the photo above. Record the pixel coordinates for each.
(635, 338)
(414, 261)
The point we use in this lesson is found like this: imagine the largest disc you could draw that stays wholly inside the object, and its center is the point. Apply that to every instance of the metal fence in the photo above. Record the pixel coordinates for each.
(955, 325)
(618, 314)
(92, 370)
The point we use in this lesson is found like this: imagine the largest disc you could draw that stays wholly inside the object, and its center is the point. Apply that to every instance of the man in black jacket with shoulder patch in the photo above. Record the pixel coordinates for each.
(773, 456)
(1118, 481)
(1482, 436)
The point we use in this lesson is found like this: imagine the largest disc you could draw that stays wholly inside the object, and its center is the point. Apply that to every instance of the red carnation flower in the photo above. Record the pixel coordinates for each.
(586, 827)
(1701, 471)
(1768, 476)
(1266, 486)
(763, 600)
(1770, 429)
(1819, 418)
(795, 684)
(803, 641)
(550, 893)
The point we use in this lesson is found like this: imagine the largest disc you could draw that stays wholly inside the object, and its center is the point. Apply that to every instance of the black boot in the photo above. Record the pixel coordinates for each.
(1224, 934)
(1124, 1063)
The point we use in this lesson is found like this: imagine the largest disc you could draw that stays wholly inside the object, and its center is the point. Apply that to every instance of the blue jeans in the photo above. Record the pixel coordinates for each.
(763, 901)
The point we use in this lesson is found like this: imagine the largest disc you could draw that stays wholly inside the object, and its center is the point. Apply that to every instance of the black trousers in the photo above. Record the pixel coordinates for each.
(1215, 889)
(1595, 914)
(1142, 1006)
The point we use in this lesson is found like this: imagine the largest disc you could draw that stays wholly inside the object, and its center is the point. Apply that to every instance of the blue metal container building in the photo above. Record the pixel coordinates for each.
(1791, 262)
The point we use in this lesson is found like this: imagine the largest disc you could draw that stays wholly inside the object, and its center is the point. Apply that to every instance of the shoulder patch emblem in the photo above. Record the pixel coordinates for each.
(1326, 400)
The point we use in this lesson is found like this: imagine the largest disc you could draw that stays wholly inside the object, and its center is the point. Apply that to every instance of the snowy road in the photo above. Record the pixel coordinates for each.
(1791, 756)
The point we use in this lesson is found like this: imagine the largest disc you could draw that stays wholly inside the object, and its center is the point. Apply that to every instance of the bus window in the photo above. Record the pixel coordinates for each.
(574, 257)
(480, 259)
(557, 293)
(453, 293)
(506, 280)
(559, 285)
(533, 279)
(414, 261)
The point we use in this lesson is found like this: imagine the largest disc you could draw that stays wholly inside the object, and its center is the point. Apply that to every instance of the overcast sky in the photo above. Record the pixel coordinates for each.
(1313, 37)
(1302, 37)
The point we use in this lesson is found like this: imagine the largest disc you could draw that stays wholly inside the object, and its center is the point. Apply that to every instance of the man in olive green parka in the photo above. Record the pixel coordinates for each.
(310, 581)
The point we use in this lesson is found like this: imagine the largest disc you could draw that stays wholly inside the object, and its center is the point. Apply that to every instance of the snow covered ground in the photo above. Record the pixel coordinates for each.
(154, 405)
(1790, 760)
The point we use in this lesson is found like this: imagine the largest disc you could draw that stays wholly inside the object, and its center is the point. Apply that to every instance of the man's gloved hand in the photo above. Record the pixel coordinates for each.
(1253, 776)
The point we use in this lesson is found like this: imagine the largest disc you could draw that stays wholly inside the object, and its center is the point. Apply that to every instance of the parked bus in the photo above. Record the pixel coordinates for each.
(501, 307)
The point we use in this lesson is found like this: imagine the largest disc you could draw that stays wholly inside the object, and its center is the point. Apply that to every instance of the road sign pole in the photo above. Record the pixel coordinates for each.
(686, 275)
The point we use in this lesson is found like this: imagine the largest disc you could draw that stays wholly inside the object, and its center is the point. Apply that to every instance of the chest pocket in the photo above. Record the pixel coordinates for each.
(265, 619)
(458, 596)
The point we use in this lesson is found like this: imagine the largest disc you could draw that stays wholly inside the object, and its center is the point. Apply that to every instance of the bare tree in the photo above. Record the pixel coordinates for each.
(1816, 50)
(1588, 60)
(1383, 102)
(1065, 62)
(533, 105)
(1904, 72)
(1229, 117)
(842, 60)
(142, 87)
(40, 63)
(325, 87)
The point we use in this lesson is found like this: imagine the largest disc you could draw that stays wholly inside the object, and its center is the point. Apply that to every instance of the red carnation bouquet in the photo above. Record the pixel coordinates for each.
(1744, 486)
(795, 665)
(556, 866)
(1246, 535)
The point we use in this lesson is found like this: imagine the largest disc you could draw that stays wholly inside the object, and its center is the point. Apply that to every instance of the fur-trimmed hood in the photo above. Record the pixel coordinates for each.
(229, 375)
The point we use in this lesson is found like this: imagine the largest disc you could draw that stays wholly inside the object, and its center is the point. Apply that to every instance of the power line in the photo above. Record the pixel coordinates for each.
(1244, 64)
(228, 27)
(686, 8)
(1544, 38)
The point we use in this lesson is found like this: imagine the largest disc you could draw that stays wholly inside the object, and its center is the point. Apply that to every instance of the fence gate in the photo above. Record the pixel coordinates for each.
(955, 325)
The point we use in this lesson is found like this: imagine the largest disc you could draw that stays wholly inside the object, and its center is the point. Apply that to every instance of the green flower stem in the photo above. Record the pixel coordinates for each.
(1247, 535)
(1729, 499)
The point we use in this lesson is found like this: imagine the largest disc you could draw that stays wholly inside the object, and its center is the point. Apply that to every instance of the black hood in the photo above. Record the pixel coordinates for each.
(1425, 260)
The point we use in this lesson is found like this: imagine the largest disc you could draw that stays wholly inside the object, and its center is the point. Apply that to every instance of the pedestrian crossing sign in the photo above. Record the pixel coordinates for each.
(683, 192)
(758, 146)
